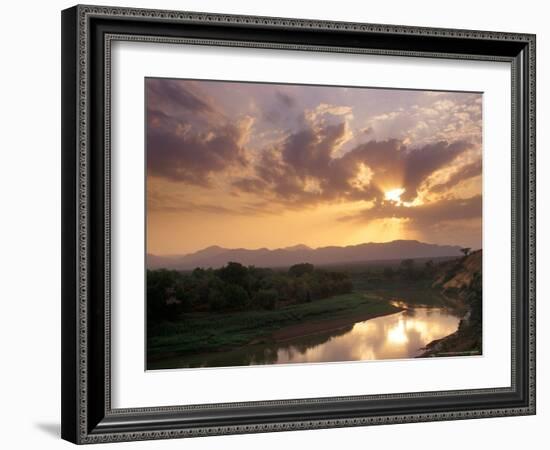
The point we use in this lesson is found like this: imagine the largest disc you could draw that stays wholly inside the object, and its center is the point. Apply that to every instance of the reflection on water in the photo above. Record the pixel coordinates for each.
(400, 335)
(399, 304)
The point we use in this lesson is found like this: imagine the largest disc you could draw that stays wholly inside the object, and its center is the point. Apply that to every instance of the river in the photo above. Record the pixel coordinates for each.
(394, 336)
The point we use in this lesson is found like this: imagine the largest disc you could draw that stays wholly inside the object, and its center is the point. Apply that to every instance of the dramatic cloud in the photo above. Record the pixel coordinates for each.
(462, 174)
(421, 163)
(173, 96)
(285, 99)
(183, 155)
(188, 140)
(304, 165)
(447, 116)
(366, 155)
(425, 215)
(182, 205)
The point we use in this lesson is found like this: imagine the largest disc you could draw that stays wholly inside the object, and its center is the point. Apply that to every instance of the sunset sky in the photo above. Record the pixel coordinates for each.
(270, 165)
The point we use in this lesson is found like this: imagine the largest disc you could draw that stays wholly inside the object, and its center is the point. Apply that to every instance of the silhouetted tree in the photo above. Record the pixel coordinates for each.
(234, 273)
(236, 296)
(236, 287)
(266, 298)
(297, 270)
(429, 268)
(407, 267)
(217, 301)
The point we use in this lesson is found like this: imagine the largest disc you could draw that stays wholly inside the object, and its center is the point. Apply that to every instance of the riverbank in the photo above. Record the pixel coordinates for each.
(200, 333)
(462, 280)
(465, 341)
(308, 329)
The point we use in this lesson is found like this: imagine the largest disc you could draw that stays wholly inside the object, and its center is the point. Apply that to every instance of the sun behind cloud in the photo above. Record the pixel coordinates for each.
(394, 195)
(251, 165)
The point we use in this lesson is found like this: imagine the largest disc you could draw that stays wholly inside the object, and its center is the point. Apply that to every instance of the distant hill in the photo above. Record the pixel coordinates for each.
(216, 256)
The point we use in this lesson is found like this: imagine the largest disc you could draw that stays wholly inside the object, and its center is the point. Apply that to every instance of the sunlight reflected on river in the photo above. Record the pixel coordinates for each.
(400, 335)
(394, 336)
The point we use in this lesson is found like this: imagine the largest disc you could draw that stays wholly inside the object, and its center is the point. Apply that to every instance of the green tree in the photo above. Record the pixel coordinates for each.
(429, 268)
(297, 270)
(199, 273)
(234, 273)
(301, 291)
(217, 301)
(160, 287)
(266, 298)
(407, 266)
(181, 295)
(236, 296)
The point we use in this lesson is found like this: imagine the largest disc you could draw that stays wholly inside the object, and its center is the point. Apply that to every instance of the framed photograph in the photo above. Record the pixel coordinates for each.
(279, 224)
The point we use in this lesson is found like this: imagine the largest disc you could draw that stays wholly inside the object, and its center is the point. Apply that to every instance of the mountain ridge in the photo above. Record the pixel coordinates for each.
(215, 256)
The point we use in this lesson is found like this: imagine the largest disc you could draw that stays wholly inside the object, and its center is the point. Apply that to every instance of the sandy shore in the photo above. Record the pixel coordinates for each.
(309, 328)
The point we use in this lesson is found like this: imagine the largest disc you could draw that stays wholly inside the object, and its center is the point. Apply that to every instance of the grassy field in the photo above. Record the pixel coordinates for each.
(413, 295)
(203, 332)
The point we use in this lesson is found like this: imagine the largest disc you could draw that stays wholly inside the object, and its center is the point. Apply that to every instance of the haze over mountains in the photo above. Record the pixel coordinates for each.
(216, 256)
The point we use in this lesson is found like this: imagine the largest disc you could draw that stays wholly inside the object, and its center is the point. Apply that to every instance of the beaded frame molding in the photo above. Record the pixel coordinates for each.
(87, 35)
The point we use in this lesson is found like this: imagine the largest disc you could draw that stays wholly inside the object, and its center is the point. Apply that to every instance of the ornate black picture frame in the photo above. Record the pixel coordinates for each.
(87, 34)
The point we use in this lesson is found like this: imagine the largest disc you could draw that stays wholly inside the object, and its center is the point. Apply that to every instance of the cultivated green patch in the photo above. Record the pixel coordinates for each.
(202, 332)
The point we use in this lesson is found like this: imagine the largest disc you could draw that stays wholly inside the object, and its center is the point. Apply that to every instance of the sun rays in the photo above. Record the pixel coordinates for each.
(394, 195)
